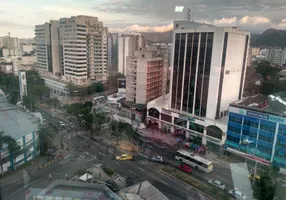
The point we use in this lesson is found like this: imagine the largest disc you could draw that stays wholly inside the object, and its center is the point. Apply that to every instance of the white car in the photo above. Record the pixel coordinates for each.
(217, 184)
(158, 159)
(237, 194)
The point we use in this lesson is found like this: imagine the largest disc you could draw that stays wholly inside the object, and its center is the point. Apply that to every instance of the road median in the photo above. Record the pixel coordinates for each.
(208, 190)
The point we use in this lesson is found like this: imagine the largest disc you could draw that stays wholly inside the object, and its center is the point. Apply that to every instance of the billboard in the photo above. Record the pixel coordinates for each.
(22, 84)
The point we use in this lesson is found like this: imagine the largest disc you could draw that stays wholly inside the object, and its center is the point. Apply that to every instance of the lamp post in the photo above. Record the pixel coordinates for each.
(247, 142)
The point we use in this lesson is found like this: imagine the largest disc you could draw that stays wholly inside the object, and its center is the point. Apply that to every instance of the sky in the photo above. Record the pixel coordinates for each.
(19, 17)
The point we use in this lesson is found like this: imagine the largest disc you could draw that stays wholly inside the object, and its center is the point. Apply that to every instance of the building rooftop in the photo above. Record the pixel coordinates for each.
(75, 190)
(143, 190)
(14, 121)
(272, 104)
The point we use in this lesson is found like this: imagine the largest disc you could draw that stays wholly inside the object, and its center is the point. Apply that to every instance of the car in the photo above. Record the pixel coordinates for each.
(185, 168)
(217, 184)
(112, 185)
(237, 194)
(53, 115)
(124, 157)
(254, 177)
(157, 159)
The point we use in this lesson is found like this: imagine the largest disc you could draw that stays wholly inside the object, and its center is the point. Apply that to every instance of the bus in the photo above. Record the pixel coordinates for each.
(194, 161)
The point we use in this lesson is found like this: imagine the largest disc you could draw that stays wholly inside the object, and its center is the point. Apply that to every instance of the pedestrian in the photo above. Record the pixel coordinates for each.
(66, 177)
(50, 176)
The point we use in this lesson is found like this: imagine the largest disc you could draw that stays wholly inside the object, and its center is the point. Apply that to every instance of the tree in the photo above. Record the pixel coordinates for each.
(129, 132)
(112, 81)
(14, 150)
(4, 139)
(29, 102)
(73, 89)
(95, 88)
(45, 140)
(264, 189)
(40, 91)
(265, 69)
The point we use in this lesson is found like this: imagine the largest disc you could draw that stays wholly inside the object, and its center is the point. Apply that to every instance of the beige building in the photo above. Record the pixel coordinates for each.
(127, 45)
(146, 77)
(84, 49)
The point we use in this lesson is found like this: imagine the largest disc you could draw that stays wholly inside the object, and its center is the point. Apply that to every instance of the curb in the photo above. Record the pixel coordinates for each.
(167, 174)
(57, 158)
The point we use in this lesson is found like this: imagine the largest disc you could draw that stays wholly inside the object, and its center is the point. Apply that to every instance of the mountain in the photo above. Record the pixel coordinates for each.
(270, 38)
(152, 37)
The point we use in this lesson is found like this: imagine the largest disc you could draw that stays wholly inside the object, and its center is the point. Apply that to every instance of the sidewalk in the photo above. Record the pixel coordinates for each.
(25, 172)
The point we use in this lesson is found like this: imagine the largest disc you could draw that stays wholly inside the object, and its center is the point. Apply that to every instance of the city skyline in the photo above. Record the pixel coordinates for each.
(127, 15)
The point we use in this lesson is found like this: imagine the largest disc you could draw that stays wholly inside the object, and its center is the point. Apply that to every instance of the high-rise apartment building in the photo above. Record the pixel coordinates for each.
(276, 56)
(127, 45)
(74, 48)
(112, 55)
(83, 49)
(48, 48)
(209, 65)
(146, 77)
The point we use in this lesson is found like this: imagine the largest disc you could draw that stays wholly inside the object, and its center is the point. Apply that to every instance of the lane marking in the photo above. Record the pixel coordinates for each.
(141, 169)
(102, 154)
(67, 156)
(17, 191)
(132, 172)
(117, 163)
(163, 182)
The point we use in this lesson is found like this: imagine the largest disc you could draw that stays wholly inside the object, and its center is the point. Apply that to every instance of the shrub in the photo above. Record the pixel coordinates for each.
(108, 171)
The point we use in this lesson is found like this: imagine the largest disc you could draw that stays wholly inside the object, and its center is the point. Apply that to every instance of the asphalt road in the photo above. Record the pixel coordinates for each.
(139, 170)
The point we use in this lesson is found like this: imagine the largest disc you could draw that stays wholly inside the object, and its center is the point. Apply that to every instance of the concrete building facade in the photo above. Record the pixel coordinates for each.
(83, 49)
(146, 77)
(127, 45)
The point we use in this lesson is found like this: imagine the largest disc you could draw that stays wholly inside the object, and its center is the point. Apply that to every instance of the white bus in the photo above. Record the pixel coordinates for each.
(194, 161)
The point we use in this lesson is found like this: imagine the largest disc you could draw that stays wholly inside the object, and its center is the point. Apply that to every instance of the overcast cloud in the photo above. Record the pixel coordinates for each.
(19, 17)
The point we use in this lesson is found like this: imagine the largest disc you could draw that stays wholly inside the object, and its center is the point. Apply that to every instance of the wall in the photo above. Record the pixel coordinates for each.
(141, 81)
(233, 66)
(215, 73)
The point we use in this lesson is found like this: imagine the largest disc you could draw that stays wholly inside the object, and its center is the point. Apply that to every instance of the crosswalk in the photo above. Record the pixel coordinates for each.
(86, 156)
(70, 135)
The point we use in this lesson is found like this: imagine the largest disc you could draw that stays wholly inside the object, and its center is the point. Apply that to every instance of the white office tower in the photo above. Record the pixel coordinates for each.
(276, 56)
(127, 45)
(48, 48)
(83, 49)
(208, 68)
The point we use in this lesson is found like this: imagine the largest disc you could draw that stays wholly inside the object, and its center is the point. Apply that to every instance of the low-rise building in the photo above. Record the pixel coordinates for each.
(21, 126)
(257, 129)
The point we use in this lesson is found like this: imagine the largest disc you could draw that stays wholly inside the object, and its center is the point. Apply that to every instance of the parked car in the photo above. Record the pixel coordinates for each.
(124, 157)
(157, 159)
(112, 185)
(217, 184)
(185, 168)
(237, 194)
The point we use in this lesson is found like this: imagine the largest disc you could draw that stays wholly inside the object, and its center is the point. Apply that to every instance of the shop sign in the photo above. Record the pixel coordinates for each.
(251, 157)
(212, 140)
(166, 111)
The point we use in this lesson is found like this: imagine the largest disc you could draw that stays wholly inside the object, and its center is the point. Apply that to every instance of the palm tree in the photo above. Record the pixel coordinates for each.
(14, 150)
(45, 140)
(4, 139)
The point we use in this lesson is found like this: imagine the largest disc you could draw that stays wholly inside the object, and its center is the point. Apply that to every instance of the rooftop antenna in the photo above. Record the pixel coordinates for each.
(189, 15)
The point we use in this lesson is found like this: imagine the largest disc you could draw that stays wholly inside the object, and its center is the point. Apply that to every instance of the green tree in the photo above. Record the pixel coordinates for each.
(45, 140)
(29, 102)
(112, 81)
(14, 150)
(4, 139)
(265, 69)
(129, 132)
(40, 91)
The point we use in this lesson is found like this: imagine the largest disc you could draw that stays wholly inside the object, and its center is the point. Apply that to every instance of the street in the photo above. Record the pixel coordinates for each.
(83, 156)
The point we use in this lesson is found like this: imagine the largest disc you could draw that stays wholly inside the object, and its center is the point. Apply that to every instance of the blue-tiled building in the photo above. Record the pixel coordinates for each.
(257, 127)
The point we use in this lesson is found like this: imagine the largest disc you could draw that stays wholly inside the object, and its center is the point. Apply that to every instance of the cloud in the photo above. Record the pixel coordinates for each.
(257, 20)
(140, 28)
(226, 21)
